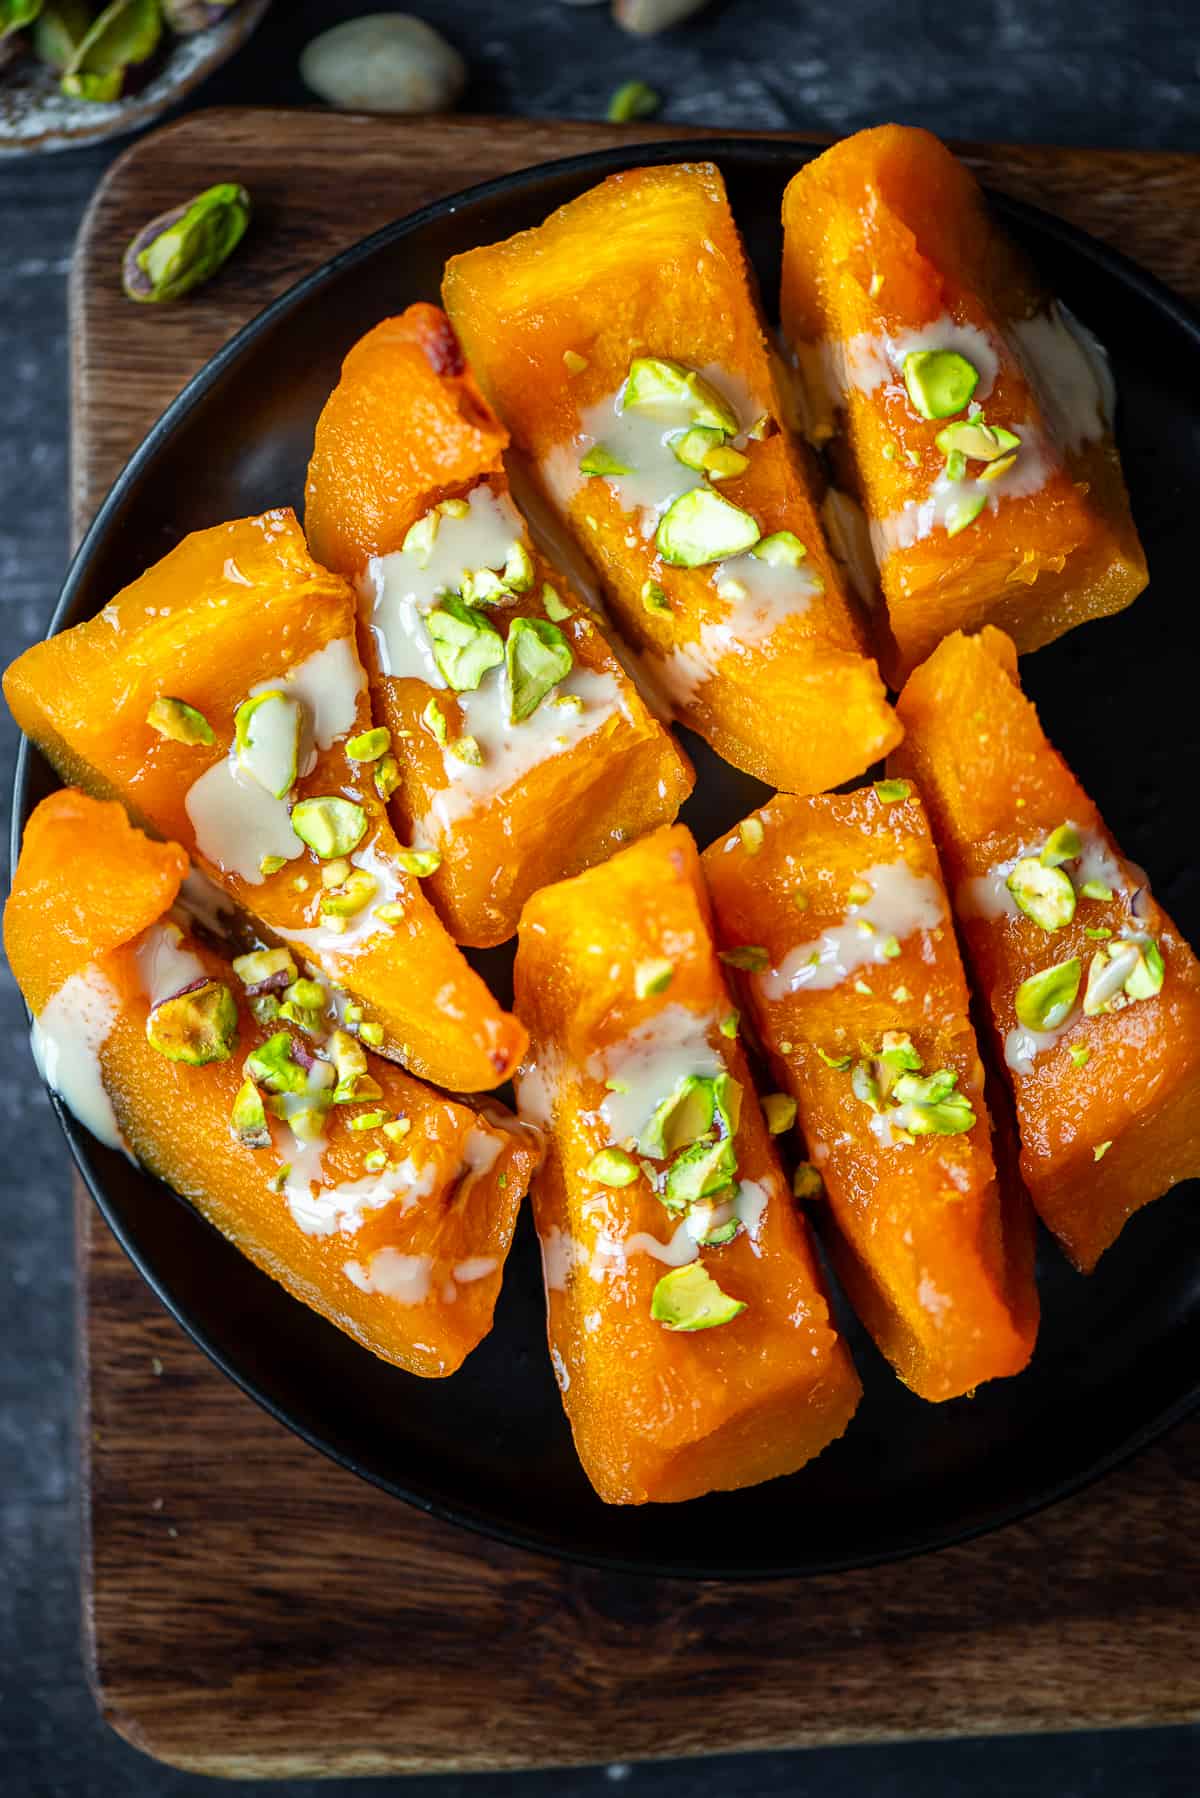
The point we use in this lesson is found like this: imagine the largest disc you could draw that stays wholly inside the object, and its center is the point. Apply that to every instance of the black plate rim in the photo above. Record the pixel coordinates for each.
(599, 163)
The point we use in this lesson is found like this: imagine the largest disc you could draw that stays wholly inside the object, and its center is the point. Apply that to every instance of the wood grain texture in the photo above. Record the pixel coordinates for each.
(251, 1609)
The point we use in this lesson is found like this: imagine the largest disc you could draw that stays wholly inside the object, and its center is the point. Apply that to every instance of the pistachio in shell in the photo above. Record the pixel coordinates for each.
(61, 27)
(187, 245)
(125, 34)
(186, 17)
(384, 62)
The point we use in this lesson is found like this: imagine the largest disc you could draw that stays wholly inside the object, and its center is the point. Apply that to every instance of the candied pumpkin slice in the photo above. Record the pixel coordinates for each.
(222, 699)
(1093, 994)
(622, 345)
(689, 1326)
(477, 647)
(382, 1204)
(970, 411)
(834, 913)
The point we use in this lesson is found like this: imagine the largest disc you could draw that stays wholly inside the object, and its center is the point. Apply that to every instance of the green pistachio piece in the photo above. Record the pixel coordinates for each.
(466, 749)
(889, 792)
(752, 835)
(264, 964)
(573, 362)
(724, 463)
(939, 382)
(420, 538)
(370, 746)
(176, 719)
(807, 1182)
(552, 605)
(599, 461)
(126, 33)
(653, 598)
(420, 862)
(195, 1027)
(956, 466)
(632, 100)
(713, 1239)
(729, 1025)
(309, 994)
(367, 1120)
(329, 825)
(700, 527)
(267, 740)
(963, 512)
(1147, 977)
(864, 1084)
(995, 471)
(271, 1065)
(612, 1167)
(1096, 889)
(1101, 1150)
(652, 977)
(353, 896)
(1044, 1001)
(688, 1298)
(465, 644)
(518, 569)
(898, 1054)
(839, 1063)
(657, 385)
(1079, 1055)
(249, 1117)
(970, 437)
(1044, 894)
(349, 1061)
(398, 1129)
(691, 446)
(750, 957)
(387, 774)
(536, 657)
(779, 1109)
(947, 1116)
(1062, 845)
(683, 1117)
(181, 248)
(702, 1170)
(264, 1009)
(782, 549)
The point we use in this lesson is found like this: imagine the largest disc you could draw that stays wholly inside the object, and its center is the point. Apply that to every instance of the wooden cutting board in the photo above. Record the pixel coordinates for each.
(249, 1608)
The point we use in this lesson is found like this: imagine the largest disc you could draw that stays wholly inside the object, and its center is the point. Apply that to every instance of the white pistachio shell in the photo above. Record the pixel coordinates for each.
(644, 17)
(384, 62)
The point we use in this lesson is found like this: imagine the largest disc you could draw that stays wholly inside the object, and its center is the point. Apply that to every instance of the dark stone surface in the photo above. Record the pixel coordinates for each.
(1114, 74)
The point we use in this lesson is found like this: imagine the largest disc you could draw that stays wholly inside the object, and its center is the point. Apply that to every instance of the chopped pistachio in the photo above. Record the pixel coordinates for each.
(704, 1169)
(839, 1063)
(964, 512)
(972, 438)
(176, 719)
(397, 1129)
(421, 537)
(657, 385)
(271, 864)
(1098, 933)
(308, 994)
(691, 446)
(1079, 1055)
(371, 1033)
(1096, 889)
(901, 995)
(300, 883)
(348, 1058)
(763, 428)
(333, 873)
(898, 1052)
(1062, 845)
(434, 720)
(573, 362)
(195, 1027)
(601, 462)
(891, 947)
(652, 977)
(518, 568)
(249, 1117)
(700, 527)
(751, 957)
(1101, 1150)
(466, 749)
(890, 792)
(723, 463)
(861, 987)
(465, 644)
(367, 1120)
(552, 605)
(939, 382)
(329, 825)
(264, 1009)
(376, 1161)
(653, 598)
(688, 1298)
(536, 658)
(752, 834)
(387, 775)
(611, 1167)
(995, 471)
(272, 1065)
(370, 745)
(683, 1117)
(263, 964)
(864, 1084)
(859, 891)
(889, 452)
(956, 466)
(632, 100)
(779, 1109)
(732, 589)
(1149, 971)
(1043, 892)
(729, 1024)
(807, 1182)
(782, 549)
(353, 1014)
(267, 740)
(1044, 1001)
(351, 897)
(391, 912)
(418, 862)
(454, 508)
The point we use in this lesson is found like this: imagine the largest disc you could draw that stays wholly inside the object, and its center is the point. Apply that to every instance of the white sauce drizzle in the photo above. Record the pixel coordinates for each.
(328, 685)
(772, 593)
(537, 1087)
(320, 940)
(1070, 373)
(67, 1037)
(651, 1061)
(405, 1278)
(1023, 1046)
(560, 1254)
(918, 519)
(320, 1211)
(901, 903)
(872, 359)
(164, 967)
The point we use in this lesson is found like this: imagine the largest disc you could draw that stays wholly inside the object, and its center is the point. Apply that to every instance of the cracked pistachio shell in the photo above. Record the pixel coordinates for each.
(126, 33)
(179, 249)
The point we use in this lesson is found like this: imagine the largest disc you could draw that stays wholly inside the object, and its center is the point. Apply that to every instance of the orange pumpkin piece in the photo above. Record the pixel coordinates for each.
(834, 909)
(1107, 1091)
(890, 252)
(670, 1393)
(232, 611)
(763, 657)
(399, 1239)
(405, 440)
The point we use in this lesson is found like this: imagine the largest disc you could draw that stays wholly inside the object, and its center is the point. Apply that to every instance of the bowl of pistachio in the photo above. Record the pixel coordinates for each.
(74, 71)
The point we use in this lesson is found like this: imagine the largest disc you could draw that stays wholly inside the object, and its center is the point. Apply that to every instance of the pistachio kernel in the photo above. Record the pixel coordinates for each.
(351, 897)
(653, 598)
(891, 792)
(1096, 889)
(971, 438)
(703, 1170)
(779, 1110)
(751, 831)
(939, 382)
(964, 512)
(752, 958)
(333, 873)
(807, 1182)
(181, 248)
(466, 750)
(418, 862)
(454, 508)
(1062, 845)
(573, 362)
(195, 1027)
(688, 1299)
(601, 462)
(659, 386)
(729, 1024)
(267, 741)
(839, 1063)
(421, 537)
(1044, 1001)
(273, 1065)
(1101, 1150)
(611, 1167)
(371, 1033)
(262, 965)
(699, 527)
(1044, 893)
(996, 471)
(386, 776)
(376, 1161)
(465, 644)
(1079, 1055)
(367, 1120)
(632, 100)
(271, 864)
(330, 826)
(782, 549)
(723, 463)
(434, 720)
(176, 719)
(652, 977)
(536, 658)
(692, 446)
(552, 605)
(397, 1129)
(248, 1118)
(370, 745)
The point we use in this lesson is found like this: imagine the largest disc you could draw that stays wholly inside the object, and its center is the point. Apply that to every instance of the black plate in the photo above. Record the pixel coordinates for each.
(1118, 1355)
